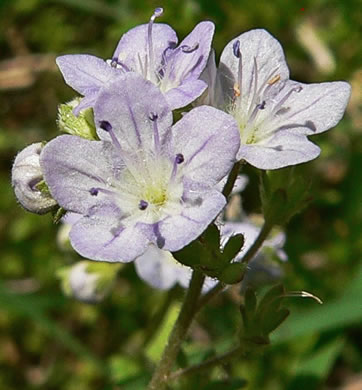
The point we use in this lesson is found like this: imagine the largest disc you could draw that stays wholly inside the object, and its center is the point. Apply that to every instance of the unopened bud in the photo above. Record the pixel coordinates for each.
(88, 281)
(81, 125)
(27, 181)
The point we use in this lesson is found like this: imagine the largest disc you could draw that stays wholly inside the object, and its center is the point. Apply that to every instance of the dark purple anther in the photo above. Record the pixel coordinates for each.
(153, 116)
(142, 205)
(261, 106)
(105, 125)
(179, 158)
(236, 49)
(114, 63)
(189, 49)
(93, 191)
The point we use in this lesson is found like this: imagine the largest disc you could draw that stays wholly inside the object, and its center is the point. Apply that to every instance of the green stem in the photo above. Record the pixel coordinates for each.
(233, 175)
(178, 333)
(263, 234)
(213, 362)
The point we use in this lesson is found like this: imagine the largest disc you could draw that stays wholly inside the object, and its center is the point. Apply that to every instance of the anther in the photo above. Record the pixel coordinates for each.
(94, 191)
(105, 125)
(114, 63)
(158, 12)
(274, 79)
(189, 49)
(179, 159)
(261, 106)
(153, 116)
(236, 49)
(142, 205)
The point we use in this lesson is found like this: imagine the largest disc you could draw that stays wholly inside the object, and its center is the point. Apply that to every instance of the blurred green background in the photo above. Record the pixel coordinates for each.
(48, 341)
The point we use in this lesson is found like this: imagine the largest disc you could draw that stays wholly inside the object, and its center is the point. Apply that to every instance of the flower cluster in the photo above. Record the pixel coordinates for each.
(143, 186)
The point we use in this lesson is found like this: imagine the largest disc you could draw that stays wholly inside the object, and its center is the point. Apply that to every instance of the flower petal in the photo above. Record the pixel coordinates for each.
(175, 232)
(316, 108)
(160, 269)
(268, 54)
(132, 49)
(85, 73)
(100, 236)
(136, 99)
(209, 139)
(72, 166)
(189, 65)
(185, 94)
(281, 150)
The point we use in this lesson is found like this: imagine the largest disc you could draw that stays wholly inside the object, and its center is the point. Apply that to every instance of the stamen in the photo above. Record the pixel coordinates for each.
(179, 159)
(237, 86)
(142, 205)
(189, 49)
(277, 107)
(116, 63)
(153, 117)
(274, 79)
(158, 12)
(258, 107)
(236, 49)
(94, 191)
(106, 126)
(255, 69)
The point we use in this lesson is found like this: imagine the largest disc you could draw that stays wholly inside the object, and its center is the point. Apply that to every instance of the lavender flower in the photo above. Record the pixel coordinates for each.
(275, 115)
(150, 50)
(143, 182)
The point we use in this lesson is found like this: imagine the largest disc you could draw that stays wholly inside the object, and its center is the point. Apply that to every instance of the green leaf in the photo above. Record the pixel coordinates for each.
(233, 247)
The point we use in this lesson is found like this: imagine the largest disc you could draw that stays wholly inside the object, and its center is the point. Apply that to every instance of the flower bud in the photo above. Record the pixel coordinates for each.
(87, 281)
(81, 125)
(27, 181)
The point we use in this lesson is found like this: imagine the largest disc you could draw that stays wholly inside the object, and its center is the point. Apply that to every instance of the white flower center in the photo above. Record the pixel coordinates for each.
(255, 106)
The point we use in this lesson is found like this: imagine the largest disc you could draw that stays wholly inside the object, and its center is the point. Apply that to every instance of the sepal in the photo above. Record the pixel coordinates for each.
(283, 193)
(261, 318)
(81, 125)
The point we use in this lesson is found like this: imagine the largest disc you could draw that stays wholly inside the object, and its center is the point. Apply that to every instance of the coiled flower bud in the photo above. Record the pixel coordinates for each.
(27, 181)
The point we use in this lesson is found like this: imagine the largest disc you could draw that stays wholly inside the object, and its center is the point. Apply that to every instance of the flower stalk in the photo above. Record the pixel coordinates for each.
(178, 333)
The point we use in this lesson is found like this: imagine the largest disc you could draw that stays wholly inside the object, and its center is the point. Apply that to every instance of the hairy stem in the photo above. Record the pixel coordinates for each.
(233, 175)
(178, 333)
(263, 234)
(210, 363)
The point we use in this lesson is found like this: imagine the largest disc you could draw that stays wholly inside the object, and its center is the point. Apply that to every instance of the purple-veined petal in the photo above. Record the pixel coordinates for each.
(100, 236)
(132, 49)
(128, 103)
(185, 94)
(190, 59)
(209, 139)
(280, 150)
(214, 95)
(256, 46)
(316, 108)
(85, 73)
(72, 166)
